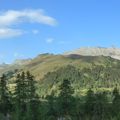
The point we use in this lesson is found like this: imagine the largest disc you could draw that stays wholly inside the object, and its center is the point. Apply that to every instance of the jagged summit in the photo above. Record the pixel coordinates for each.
(96, 51)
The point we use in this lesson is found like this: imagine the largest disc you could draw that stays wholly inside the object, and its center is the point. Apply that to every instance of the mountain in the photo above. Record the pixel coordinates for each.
(44, 63)
(85, 67)
(96, 51)
(102, 73)
(97, 69)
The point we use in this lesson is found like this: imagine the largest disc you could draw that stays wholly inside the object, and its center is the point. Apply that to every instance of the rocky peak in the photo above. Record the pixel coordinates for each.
(96, 51)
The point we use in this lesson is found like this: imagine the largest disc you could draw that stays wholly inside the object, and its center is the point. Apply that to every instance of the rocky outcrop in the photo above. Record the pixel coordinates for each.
(96, 51)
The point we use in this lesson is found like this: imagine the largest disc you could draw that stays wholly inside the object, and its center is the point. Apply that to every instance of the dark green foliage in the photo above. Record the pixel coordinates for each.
(100, 107)
(52, 107)
(62, 101)
(97, 76)
(116, 103)
(65, 99)
(26, 99)
(32, 97)
(5, 104)
(89, 104)
(20, 96)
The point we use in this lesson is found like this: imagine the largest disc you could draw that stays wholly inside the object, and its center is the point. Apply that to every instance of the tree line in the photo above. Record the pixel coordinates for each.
(23, 102)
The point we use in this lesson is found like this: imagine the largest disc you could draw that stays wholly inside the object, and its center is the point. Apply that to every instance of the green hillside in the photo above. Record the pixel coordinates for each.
(81, 86)
(45, 63)
(99, 72)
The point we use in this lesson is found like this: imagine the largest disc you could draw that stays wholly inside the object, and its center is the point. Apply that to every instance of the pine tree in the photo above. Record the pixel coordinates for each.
(31, 90)
(100, 107)
(89, 104)
(5, 103)
(52, 112)
(116, 102)
(32, 98)
(65, 99)
(26, 99)
(21, 96)
(18, 98)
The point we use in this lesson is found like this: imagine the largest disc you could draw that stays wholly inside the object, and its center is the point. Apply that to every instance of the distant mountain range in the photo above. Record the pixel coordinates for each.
(96, 51)
(44, 63)
(84, 67)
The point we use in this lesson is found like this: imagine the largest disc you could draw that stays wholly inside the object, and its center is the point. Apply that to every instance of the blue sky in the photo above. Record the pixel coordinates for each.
(32, 27)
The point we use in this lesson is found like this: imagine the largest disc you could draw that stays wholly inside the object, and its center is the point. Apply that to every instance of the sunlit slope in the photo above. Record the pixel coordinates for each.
(99, 72)
(43, 64)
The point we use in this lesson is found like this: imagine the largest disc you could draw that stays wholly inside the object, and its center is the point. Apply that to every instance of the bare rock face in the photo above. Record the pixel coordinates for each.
(96, 51)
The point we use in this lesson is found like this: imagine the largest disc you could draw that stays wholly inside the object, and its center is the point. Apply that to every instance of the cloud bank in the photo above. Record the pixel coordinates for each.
(7, 32)
(11, 18)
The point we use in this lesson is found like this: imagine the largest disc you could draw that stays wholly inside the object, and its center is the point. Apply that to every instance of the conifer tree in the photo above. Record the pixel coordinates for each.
(18, 102)
(32, 98)
(5, 103)
(89, 104)
(20, 96)
(116, 102)
(65, 98)
(52, 112)
(100, 107)
(26, 99)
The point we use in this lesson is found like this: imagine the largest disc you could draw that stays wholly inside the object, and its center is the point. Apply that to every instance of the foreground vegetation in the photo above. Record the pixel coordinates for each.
(23, 103)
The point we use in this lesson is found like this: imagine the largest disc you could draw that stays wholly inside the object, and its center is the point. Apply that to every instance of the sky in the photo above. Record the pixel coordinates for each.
(32, 27)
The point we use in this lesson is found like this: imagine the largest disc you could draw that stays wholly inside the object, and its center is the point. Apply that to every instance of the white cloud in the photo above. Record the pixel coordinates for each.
(12, 17)
(49, 40)
(35, 31)
(7, 32)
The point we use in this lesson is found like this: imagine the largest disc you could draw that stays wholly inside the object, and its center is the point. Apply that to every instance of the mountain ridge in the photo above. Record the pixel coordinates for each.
(44, 63)
(96, 51)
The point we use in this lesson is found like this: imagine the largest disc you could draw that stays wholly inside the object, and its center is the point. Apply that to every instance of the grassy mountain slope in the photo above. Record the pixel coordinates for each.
(43, 64)
(84, 72)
